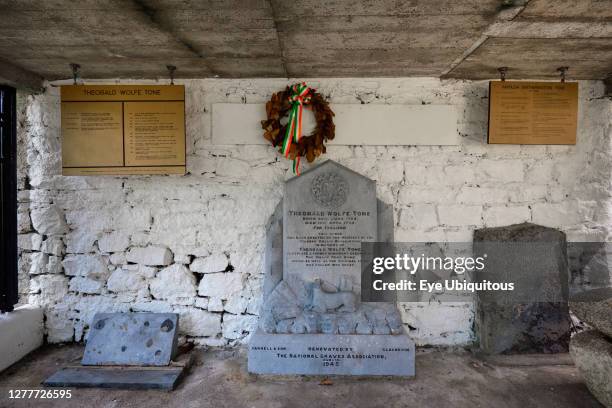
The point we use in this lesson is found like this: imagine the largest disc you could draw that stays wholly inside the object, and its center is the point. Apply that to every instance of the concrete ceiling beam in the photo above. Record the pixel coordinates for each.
(152, 16)
(538, 29)
(18, 77)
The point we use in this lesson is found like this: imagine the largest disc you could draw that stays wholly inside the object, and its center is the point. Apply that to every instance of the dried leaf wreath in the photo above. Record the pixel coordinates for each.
(289, 136)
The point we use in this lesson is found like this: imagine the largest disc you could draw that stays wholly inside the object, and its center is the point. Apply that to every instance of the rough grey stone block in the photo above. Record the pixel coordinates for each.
(331, 354)
(141, 339)
(592, 354)
(595, 308)
(534, 258)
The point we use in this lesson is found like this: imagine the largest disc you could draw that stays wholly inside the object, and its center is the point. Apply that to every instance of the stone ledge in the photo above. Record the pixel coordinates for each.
(331, 354)
(21, 331)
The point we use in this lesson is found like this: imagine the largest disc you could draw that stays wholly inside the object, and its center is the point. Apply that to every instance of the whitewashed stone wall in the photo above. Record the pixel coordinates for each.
(194, 244)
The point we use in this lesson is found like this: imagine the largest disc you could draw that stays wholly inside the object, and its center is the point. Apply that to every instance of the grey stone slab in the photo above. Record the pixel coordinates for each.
(116, 377)
(534, 318)
(142, 339)
(592, 354)
(595, 308)
(327, 212)
(328, 354)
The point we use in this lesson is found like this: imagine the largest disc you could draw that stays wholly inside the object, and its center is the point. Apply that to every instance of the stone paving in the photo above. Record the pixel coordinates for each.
(450, 378)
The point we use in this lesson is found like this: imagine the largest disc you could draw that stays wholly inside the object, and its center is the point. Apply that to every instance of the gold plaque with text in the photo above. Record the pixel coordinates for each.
(522, 112)
(123, 129)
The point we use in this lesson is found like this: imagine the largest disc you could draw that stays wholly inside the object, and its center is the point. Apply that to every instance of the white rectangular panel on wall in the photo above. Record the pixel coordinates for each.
(394, 125)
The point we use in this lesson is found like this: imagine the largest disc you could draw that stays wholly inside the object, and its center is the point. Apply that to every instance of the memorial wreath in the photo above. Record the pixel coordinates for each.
(291, 102)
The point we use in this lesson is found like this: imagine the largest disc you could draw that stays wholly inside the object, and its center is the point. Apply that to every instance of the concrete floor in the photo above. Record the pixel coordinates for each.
(219, 379)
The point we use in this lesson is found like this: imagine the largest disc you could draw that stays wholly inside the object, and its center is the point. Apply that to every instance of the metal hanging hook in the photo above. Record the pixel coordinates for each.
(171, 69)
(75, 71)
(562, 71)
(502, 72)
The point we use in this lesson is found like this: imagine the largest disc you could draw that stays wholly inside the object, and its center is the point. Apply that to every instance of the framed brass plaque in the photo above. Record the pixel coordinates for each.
(123, 129)
(522, 112)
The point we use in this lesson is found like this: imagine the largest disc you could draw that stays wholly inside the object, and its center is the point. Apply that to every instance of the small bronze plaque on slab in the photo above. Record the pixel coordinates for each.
(123, 129)
(525, 112)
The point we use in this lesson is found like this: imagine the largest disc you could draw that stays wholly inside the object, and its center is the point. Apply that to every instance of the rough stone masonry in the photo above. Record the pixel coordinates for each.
(194, 244)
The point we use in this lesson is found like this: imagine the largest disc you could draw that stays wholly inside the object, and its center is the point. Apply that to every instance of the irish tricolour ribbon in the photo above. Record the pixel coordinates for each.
(300, 95)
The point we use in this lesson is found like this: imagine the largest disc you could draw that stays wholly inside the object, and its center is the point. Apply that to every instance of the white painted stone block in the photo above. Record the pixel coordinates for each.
(127, 281)
(556, 214)
(220, 285)
(85, 285)
(57, 327)
(49, 220)
(500, 170)
(154, 306)
(430, 319)
(238, 326)
(236, 305)
(506, 215)
(53, 246)
(29, 242)
(201, 303)
(175, 284)
(215, 304)
(482, 195)
(118, 258)
(38, 263)
(210, 264)
(114, 242)
(50, 288)
(23, 222)
(197, 322)
(391, 172)
(458, 215)
(151, 255)
(418, 216)
(85, 265)
(21, 332)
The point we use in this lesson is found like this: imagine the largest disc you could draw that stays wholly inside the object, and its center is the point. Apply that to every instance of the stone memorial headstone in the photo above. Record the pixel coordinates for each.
(534, 317)
(312, 320)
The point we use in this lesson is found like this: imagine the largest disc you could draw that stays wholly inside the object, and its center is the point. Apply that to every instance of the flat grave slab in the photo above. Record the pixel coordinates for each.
(137, 339)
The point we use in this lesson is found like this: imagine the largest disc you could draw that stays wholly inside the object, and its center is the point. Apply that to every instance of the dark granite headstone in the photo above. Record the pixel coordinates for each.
(534, 318)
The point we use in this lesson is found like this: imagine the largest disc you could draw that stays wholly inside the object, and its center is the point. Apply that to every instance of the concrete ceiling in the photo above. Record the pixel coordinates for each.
(304, 38)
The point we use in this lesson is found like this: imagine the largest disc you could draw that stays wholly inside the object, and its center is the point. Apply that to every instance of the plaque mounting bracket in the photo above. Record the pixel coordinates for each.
(502, 73)
(562, 71)
(171, 69)
(75, 71)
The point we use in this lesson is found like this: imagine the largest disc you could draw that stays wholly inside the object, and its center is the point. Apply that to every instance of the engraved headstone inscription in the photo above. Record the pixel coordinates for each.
(312, 320)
